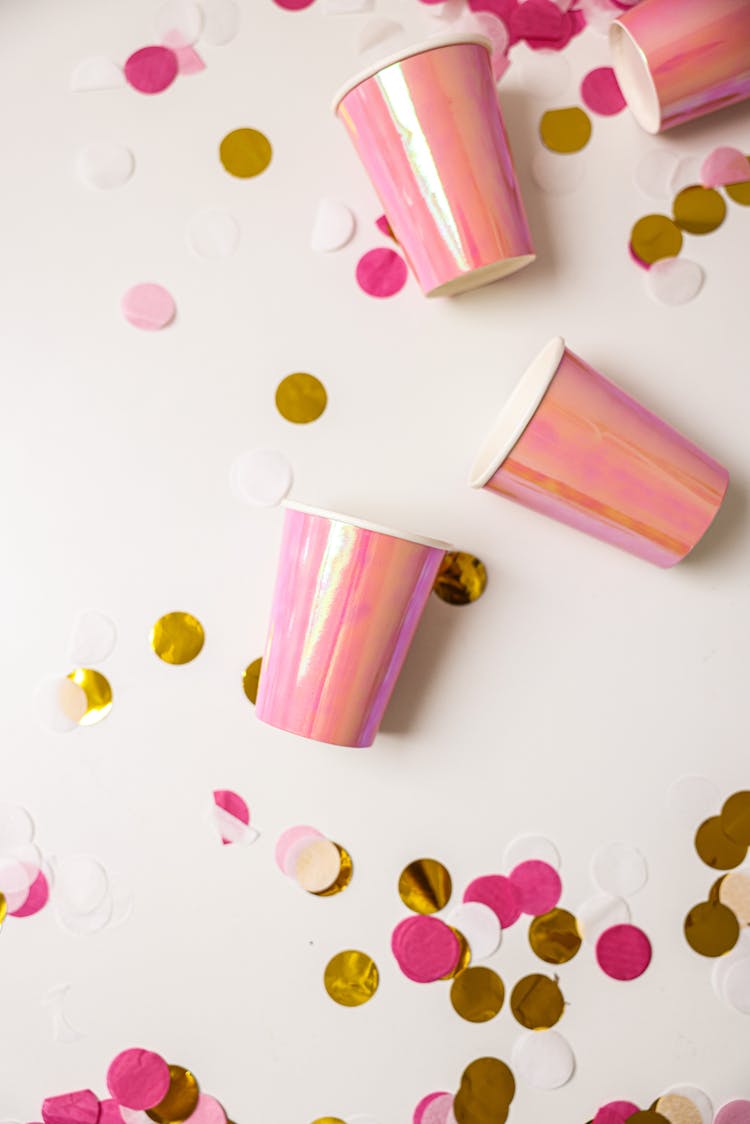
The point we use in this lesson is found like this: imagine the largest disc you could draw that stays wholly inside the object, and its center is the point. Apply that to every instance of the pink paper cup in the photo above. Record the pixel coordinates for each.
(347, 603)
(572, 445)
(679, 59)
(427, 126)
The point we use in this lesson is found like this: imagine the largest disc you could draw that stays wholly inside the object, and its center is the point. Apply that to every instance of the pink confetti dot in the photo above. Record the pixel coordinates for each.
(37, 898)
(538, 886)
(499, 893)
(542, 25)
(503, 9)
(724, 166)
(208, 1111)
(615, 1112)
(734, 1112)
(81, 1107)
(232, 803)
(425, 948)
(601, 92)
(110, 1113)
(289, 840)
(293, 5)
(138, 1079)
(381, 273)
(623, 952)
(148, 306)
(152, 69)
(439, 1111)
(424, 1104)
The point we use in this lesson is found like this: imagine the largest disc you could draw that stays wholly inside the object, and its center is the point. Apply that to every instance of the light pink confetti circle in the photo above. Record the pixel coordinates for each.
(623, 952)
(538, 886)
(439, 1111)
(138, 1079)
(615, 1112)
(37, 898)
(425, 948)
(381, 273)
(499, 893)
(148, 306)
(208, 1111)
(723, 166)
(151, 69)
(81, 1107)
(419, 1111)
(734, 1112)
(288, 840)
(601, 92)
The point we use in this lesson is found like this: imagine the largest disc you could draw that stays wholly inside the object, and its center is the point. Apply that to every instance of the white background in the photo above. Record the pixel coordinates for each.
(564, 702)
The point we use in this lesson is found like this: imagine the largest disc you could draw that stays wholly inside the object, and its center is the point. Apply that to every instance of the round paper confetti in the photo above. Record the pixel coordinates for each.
(213, 234)
(232, 815)
(497, 892)
(557, 173)
(86, 924)
(318, 866)
(601, 92)
(654, 237)
(81, 883)
(678, 1109)
(98, 694)
(716, 848)
(654, 172)
(425, 886)
(699, 210)
(251, 679)
(419, 1111)
(333, 227)
(208, 1111)
(96, 73)
(59, 704)
(93, 638)
(351, 978)
(740, 192)
(464, 956)
(346, 870)
(692, 799)
(686, 174)
(735, 818)
(543, 1059)
(736, 989)
(439, 1110)
(329, 1120)
(285, 853)
(525, 847)
(647, 1116)
(381, 273)
(537, 1002)
(722, 965)
(151, 70)
(615, 1112)
(178, 23)
(538, 886)
(461, 578)
(734, 893)
(148, 306)
(734, 1112)
(105, 165)
(486, 1091)
(177, 638)
(425, 948)
(480, 926)
(16, 825)
(293, 5)
(699, 1099)
(221, 21)
(565, 130)
(477, 994)
(181, 1099)
(36, 898)
(724, 166)
(554, 936)
(674, 281)
(80, 1107)
(600, 912)
(301, 398)
(619, 869)
(623, 952)
(138, 1079)
(245, 153)
(261, 477)
(711, 929)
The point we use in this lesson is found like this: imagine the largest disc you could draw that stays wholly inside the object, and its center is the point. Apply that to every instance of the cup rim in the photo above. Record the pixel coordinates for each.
(378, 528)
(635, 78)
(517, 412)
(425, 45)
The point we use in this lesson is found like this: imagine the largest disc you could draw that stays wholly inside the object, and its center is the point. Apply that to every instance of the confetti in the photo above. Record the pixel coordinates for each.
(261, 477)
(711, 929)
(699, 1099)
(62, 1030)
(623, 952)
(733, 1112)
(98, 694)
(724, 166)
(554, 936)
(654, 237)
(699, 210)
(722, 965)
(541, 24)
(537, 1002)
(740, 192)
(654, 172)
(600, 912)
(381, 222)
(251, 679)
(293, 5)
(565, 130)
(180, 1100)
(92, 638)
(678, 1109)
(480, 926)
(735, 818)
(674, 281)
(424, 1104)
(464, 956)
(96, 73)
(289, 845)
(221, 21)
(736, 988)
(16, 825)
(59, 704)
(686, 174)
(301, 398)
(619, 869)
(138, 1079)
(151, 69)
(245, 153)
(477, 994)
(333, 227)
(716, 848)
(556, 173)
(105, 165)
(81, 1107)
(351, 978)
(81, 884)
(425, 948)
(615, 1112)
(381, 273)
(178, 23)
(318, 866)
(148, 306)
(346, 870)
(208, 1111)
(232, 817)
(601, 92)
(537, 885)
(543, 1059)
(213, 235)
(177, 638)
(461, 579)
(486, 1091)
(734, 893)
(497, 892)
(439, 1111)
(188, 60)
(424, 886)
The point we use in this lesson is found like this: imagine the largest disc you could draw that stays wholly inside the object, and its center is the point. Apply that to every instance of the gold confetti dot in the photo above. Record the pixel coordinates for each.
(537, 1002)
(180, 1100)
(344, 876)
(647, 1116)
(98, 694)
(177, 638)
(655, 237)
(740, 192)
(715, 891)
(3, 908)
(565, 130)
(251, 679)
(464, 956)
(329, 1120)
(735, 818)
(301, 398)
(351, 978)
(711, 929)
(477, 994)
(554, 936)
(678, 1109)
(318, 866)
(715, 848)
(699, 210)
(425, 886)
(245, 153)
(486, 1091)
(461, 578)
(734, 893)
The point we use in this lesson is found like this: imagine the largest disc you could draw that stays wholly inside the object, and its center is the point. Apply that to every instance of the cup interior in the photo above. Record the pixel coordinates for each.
(633, 74)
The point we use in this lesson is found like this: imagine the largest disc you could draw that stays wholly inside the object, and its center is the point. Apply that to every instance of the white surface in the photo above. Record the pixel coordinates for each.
(564, 702)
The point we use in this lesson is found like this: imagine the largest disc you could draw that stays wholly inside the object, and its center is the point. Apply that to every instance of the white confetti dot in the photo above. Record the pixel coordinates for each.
(737, 985)
(333, 227)
(654, 171)
(16, 826)
(481, 927)
(261, 477)
(556, 172)
(213, 234)
(92, 639)
(221, 21)
(723, 964)
(543, 1059)
(525, 847)
(688, 173)
(105, 165)
(85, 924)
(59, 704)
(673, 281)
(692, 799)
(600, 912)
(81, 884)
(178, 23)
(96, 73)
(619, 869)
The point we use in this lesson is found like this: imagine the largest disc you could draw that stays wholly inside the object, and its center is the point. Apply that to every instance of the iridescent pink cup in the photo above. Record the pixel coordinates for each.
(679, 59)
(347, 603)
(572, 445)
(427, 126)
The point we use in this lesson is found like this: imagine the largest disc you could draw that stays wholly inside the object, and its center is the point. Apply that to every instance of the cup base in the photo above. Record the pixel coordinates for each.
(312, 737)
(485, 275)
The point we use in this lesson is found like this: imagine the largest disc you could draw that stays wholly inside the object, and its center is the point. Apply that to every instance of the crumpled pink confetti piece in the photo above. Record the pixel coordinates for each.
(188, 60)
(723, 166)
(81, 1107)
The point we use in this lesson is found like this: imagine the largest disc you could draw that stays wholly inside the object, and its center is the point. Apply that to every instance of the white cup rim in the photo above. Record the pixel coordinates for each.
(378, 528)
(634, 77)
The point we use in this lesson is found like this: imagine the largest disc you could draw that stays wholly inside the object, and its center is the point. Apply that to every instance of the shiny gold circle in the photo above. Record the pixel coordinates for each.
(699, 210)
(464, 956)
(251, 679)
(565, 130)
(711, 930)
(461, 579)
(98, 694)
(655, 237)
(740, 192)
(678, 1109)
(734, 893)
(735, 818)
(180, 1100)
(177, 638)
(3, 908)
(301, 398)
(351, 978)
(554, 936)
(477, 994)
(714, 894)
(424, 886)
(486, 1091)
(537, 1002)
(715, 848)
(344, 876)
(648, 1116)
(245, 153)
(329, 1120)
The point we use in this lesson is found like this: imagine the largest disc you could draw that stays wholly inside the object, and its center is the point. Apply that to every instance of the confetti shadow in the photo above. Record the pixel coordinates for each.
(430, 647)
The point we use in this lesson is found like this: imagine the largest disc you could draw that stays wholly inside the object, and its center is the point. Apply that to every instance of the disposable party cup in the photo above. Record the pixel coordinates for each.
(347, 602)
(427, 126)
(679, 59)
(572, 445)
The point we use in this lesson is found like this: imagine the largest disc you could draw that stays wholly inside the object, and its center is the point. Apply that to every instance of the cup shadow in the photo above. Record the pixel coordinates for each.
(726, 531)
(429, 650)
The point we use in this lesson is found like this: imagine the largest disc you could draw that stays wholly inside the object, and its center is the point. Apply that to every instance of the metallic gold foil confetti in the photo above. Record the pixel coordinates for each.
(461, 579)
(251, 679)
(98, 694)
(301, 398)
(647, 1116)
(329, 1120)
(318, 866)
(464, 956)
(181, 1099)
(344, 875)
(351, 978)
(734, 893)
(177, 638)
(699, 210)
(3, 908)
(477, 994)
(711, 929)
(245, 153)
(554, 936)
(740, 192)
(716, 848)
(678, 1109)
(425, 886)
(565, 130)
(735, 818)
(715, 891)
(537, 1002)
(486, 1091)
(654, 237)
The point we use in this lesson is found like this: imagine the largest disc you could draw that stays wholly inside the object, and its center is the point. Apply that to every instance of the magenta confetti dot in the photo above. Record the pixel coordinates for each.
(538, 886)
(81, 1107)
(148, 306)
(37, 898)
(293, 5)
(499, 893)
(381, 273)
(109, 1113)
(615, 1112)
(424, 1104)
(734, 1112)
(439, 1111)
(542, 25)
(623, 952)
(425, 948)
(232, 803)
(601, 92)
(138, 1079)
(152, 69)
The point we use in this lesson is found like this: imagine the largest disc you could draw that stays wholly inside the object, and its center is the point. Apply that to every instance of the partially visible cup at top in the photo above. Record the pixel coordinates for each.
(427, 126)
(347, 602)
(572, 445)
